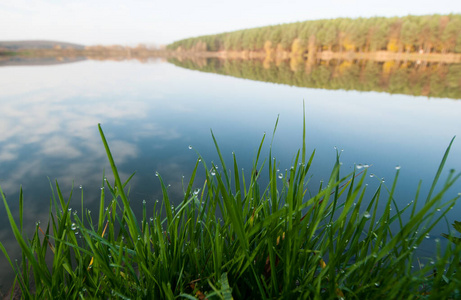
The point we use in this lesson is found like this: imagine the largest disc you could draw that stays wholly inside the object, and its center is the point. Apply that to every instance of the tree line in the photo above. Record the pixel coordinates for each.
(409, 78)
(424, 34)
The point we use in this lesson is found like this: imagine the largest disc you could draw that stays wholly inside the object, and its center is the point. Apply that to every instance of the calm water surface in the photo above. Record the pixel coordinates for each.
(152, 112)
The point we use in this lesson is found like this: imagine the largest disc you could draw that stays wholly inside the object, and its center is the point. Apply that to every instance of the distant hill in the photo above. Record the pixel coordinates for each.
(21, 45)
(409, 34)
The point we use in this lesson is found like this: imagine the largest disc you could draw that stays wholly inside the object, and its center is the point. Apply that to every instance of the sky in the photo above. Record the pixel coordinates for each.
(154, 22)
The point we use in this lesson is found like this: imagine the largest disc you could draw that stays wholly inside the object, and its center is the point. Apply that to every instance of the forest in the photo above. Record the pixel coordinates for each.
(409, 34)
(436, 80)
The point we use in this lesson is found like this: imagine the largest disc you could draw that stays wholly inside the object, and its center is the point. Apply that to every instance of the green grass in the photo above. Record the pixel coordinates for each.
(232, 238)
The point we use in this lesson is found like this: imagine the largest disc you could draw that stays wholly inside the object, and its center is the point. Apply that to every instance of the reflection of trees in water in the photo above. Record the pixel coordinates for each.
(396, 77)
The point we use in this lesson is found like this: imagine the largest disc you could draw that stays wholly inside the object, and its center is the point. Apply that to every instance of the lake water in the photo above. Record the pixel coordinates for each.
(152, 112)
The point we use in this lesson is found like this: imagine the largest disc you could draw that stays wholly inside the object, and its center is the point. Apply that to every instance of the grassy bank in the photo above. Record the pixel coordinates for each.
(232, 238)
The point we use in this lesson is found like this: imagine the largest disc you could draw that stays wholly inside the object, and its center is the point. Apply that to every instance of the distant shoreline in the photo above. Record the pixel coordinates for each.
(126, 53)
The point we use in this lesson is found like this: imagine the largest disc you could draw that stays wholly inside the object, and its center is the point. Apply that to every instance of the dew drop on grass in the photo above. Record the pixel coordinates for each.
(376, 284)
(280, 175)
(427, 236)
(397, 167)
(73, 226)
(80, 187)
(213, 172)
(156, 174)
(359, 166)
(366, 215)
(144, 201)
(196, 191)
(102, 188)
(190, 147)
(438, 209)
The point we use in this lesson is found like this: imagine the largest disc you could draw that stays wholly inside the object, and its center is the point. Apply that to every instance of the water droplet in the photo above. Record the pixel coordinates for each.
(151, 219)
(427, 236)
(341, 163)
(74, 213)
(102, 188)
(280, 175)
(73, 226)
(359, 166)
(196, 191)
(213, 172)
(372, 175)
(80, 186)
(376, 284)
(438, 209)
(69, 210)
(397, 167)
(199, 159)
(143, 201)
(366, 215)
(190, 147)
(89, 211)
(156, 201)
(156, 173)
(374, 255)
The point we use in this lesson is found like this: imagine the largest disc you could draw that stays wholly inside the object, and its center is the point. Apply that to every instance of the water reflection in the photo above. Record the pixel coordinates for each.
(438, 80)
(152, 112)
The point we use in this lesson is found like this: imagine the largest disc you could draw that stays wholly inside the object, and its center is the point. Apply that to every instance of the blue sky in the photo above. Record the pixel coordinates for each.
(161, 22)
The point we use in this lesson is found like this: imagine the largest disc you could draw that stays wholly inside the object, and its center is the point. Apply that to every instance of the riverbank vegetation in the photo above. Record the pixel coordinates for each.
(396, 77)
(409, 34)
(231, 237)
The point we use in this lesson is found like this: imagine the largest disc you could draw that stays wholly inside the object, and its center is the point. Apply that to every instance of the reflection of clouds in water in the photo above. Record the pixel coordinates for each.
(9, 152)
(52, 113)
(151, 129)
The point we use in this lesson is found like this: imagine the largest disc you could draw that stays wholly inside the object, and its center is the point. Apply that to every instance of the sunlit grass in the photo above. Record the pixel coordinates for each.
(232, 238)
